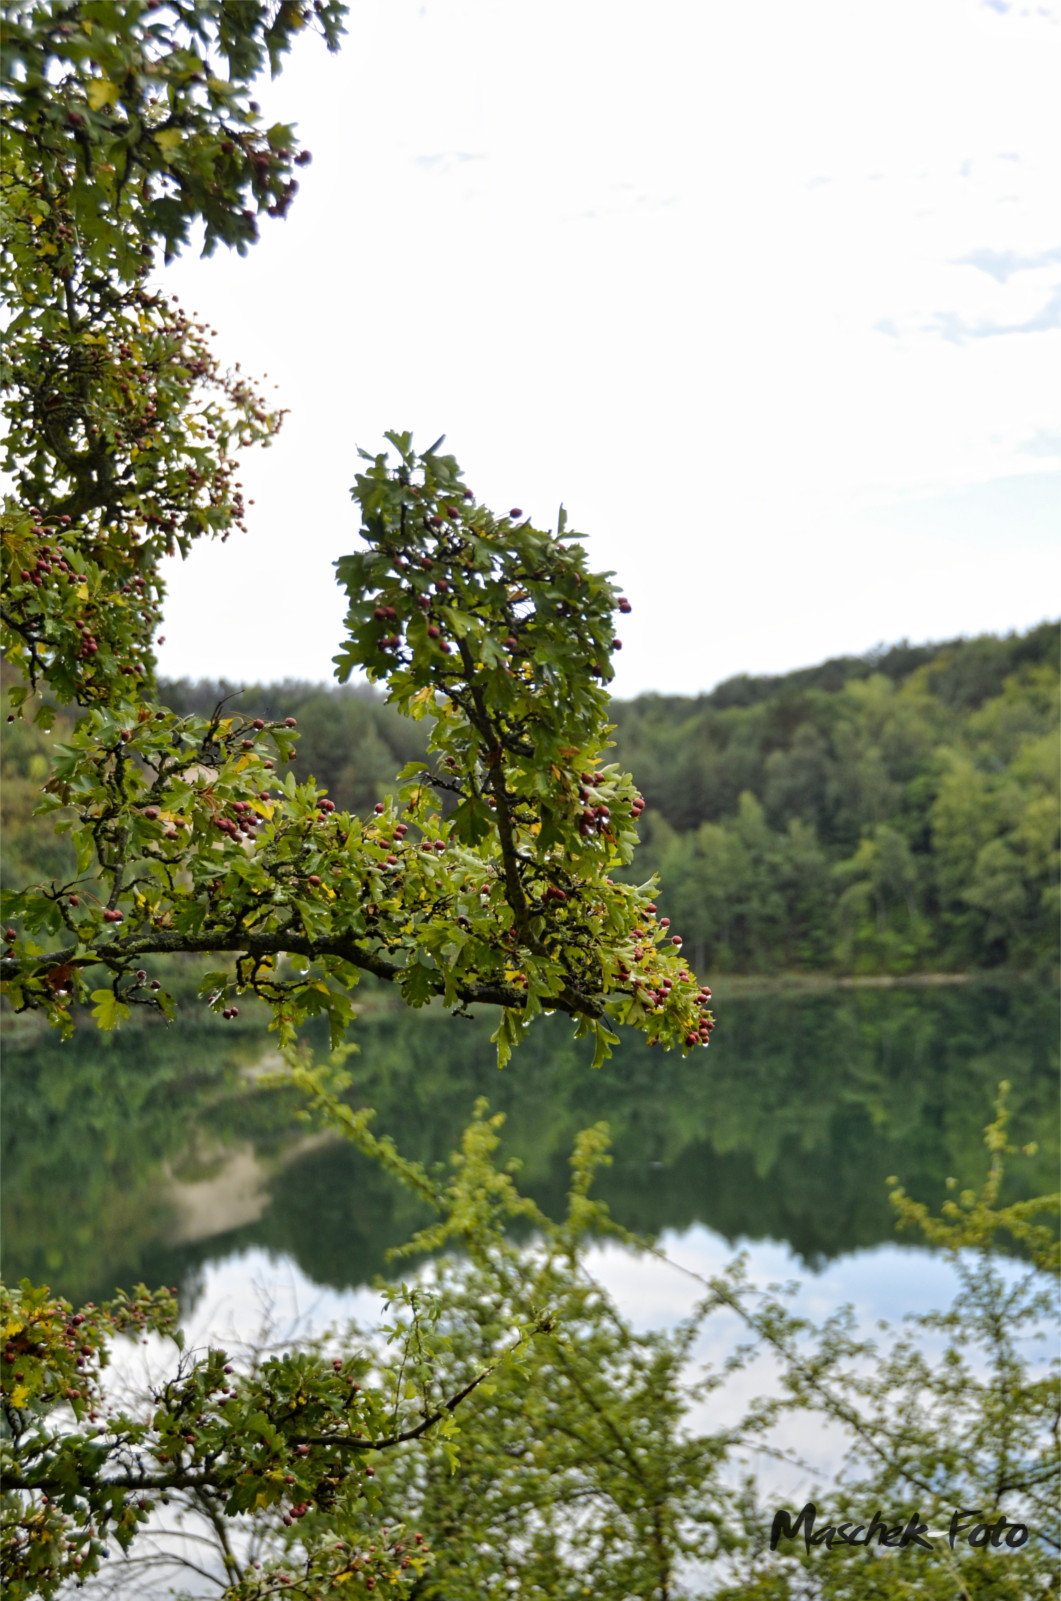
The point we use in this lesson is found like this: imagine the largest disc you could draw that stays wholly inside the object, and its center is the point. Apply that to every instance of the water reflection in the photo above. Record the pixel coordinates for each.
(152, 1153)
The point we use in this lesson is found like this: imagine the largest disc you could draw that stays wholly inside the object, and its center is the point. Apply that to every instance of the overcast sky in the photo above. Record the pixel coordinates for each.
(769, 295)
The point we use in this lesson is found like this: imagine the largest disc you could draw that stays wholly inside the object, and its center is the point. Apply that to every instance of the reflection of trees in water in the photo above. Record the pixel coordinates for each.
(787, 1130)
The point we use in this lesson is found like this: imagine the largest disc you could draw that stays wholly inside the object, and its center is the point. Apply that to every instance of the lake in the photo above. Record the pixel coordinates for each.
(155, 1155)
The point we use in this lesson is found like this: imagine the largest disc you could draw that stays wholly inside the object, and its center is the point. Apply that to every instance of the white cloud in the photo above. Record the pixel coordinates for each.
(717, 277)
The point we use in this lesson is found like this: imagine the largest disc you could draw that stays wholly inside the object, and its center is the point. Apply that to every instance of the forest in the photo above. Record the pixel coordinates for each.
(879, 814)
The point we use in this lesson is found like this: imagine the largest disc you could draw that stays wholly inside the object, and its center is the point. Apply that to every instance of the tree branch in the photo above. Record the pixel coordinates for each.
(164, 943)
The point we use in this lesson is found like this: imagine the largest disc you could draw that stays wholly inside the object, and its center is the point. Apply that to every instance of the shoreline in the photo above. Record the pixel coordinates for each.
(812, 983)
(23, 1030)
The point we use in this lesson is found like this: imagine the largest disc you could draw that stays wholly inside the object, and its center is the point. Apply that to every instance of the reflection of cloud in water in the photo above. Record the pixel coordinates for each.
(887, 1282)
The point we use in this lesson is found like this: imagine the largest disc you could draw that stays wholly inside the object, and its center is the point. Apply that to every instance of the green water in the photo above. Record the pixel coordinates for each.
(151, 1154)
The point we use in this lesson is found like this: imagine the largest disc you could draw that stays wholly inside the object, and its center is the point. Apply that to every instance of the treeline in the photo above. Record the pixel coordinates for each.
(874, 814)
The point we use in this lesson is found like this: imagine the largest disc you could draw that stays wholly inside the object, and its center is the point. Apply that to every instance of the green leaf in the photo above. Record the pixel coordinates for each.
(108, 1011)
(101, 92)
(417, 984)
(605, 1041)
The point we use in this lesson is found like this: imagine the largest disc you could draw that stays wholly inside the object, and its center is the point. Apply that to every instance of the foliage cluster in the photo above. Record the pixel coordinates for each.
(123, 126)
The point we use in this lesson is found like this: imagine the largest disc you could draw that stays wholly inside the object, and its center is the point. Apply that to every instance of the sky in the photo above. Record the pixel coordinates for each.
(768, 296)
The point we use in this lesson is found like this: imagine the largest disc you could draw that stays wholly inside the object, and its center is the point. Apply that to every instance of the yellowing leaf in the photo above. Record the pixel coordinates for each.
(19, 1394)
(168, 139)
(101, 92)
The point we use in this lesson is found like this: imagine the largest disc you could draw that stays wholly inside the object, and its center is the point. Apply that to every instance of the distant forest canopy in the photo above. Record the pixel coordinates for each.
(884, 813)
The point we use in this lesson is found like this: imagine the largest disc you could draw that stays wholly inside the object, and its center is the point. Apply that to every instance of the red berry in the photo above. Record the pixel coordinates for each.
(314, 879)
(289, 722)
(516, 512)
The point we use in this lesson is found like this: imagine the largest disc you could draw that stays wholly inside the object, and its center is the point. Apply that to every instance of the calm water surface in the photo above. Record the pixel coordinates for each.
(153, 1156)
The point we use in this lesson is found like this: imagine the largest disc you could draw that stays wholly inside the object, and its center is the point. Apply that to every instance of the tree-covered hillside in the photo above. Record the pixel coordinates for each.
(874, 814)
